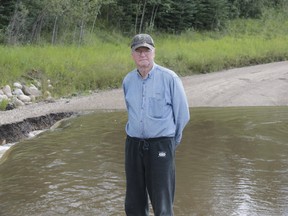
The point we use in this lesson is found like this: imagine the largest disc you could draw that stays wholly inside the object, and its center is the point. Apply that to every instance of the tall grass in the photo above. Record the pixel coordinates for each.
(191, 57)
(70, 68)
(105, 58)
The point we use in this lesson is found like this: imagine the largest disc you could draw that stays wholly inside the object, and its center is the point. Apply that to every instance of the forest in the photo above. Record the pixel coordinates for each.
(70, 21)
(81, 46)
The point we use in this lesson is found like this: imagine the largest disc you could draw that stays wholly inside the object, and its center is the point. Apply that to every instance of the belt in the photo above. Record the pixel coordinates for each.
(136, 139)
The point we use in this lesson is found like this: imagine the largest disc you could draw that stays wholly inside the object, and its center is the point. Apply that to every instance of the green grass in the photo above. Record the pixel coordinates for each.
(3, 104)
(105, 59)
(71, 69)
(192, 57)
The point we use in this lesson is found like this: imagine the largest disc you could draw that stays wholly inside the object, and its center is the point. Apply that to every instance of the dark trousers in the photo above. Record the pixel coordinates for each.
(150, 171)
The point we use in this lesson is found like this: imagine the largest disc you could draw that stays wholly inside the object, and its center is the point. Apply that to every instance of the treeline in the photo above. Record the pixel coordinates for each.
(69, 21)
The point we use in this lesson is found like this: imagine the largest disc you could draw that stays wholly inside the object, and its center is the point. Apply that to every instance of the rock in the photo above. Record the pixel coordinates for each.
(18, 92)
(26, 90)
(24, 98)
(23, 94)
(47, 94)
(10, 106)
(49, 85)
(17, 102)
(17, 85)
(3, 97)
(7, 91)
(33, 98)
(36, 93)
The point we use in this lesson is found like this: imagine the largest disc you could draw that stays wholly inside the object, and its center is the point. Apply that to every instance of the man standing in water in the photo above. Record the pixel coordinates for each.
(157, 114)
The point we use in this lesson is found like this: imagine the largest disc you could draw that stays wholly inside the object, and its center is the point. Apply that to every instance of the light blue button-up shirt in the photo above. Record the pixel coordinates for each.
(157, 106)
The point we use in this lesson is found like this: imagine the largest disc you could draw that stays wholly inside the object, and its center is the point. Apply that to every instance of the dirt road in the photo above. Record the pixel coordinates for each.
(261, 85)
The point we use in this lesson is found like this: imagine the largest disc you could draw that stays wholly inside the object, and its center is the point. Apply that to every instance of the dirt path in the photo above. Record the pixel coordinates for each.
(261, 85)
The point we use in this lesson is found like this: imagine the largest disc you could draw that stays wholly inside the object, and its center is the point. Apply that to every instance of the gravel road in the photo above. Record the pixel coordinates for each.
(260, 85)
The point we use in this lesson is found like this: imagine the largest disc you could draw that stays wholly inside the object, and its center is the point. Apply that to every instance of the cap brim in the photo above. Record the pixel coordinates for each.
(149, 46)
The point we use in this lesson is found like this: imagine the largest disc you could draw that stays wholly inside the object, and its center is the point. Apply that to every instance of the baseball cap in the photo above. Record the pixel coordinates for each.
(142, 40)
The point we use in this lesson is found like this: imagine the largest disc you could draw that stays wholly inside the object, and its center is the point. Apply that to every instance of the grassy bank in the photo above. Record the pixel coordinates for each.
(105, 59)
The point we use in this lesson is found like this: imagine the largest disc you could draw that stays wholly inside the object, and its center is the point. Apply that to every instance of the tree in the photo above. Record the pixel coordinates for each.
(211, 15)
(34, 21)
(56, 10)
(6, 10)
(17, 23)
(176, 16)
(154, 13)
(250, 8)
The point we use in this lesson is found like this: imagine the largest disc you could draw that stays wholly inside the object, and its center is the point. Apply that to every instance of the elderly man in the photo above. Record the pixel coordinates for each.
(157, 114)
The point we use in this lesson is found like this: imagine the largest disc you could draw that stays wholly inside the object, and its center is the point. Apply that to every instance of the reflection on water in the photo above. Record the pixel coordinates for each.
(232, 161)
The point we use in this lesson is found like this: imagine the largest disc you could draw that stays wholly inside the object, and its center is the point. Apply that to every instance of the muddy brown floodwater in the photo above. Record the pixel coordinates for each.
(232, 161)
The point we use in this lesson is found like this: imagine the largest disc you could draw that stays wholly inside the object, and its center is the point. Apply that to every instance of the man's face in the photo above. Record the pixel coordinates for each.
(143, 57)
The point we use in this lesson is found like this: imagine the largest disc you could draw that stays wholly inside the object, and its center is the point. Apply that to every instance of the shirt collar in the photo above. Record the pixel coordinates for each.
(150, 74)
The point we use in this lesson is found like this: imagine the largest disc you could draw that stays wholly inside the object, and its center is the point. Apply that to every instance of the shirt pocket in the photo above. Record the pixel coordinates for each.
(156, 107)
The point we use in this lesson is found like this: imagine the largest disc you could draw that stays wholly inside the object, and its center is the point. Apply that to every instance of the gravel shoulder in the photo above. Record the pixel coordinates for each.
(260, 85)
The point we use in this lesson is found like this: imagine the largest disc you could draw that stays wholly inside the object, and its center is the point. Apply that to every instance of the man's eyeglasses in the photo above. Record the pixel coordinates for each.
(145, 52)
